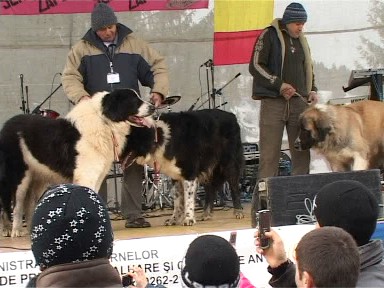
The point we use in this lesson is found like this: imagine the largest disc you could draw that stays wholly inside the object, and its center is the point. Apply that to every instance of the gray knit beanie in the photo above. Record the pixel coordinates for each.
(102, 16)
(294, 12)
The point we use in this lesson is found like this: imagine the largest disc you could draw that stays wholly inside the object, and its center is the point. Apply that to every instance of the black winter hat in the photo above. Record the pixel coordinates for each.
(70, 224)
(350, 205)
(211, 261)
(102, 16)
(294, 12)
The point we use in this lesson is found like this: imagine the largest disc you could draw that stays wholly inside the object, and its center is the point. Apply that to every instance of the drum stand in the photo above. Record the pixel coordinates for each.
(154, 190)
(116, 206)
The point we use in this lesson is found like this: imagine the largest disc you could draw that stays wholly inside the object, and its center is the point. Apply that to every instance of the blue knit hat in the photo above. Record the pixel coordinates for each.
(294, 12)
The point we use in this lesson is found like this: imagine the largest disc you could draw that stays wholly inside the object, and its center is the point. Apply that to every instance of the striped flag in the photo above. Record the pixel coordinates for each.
(237, 24)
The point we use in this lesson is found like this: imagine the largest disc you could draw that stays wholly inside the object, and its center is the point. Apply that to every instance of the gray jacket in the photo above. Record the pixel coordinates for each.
(372, 265)
(371, 271)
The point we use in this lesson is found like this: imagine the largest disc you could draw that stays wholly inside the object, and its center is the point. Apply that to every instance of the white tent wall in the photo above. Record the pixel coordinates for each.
(36, 46)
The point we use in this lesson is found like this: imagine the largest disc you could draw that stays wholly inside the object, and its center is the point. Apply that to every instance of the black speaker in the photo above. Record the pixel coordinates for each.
(285, 195)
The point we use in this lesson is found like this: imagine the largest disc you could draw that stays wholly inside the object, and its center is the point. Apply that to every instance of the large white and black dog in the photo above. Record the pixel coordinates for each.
(193, 147)
(36, 152)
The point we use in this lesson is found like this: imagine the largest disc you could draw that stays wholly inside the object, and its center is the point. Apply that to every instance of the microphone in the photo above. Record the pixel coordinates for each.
(207, 63)
(218, 92)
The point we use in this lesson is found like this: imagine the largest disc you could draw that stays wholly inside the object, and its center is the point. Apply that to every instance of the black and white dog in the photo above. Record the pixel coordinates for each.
(36, 152)
(193, 147)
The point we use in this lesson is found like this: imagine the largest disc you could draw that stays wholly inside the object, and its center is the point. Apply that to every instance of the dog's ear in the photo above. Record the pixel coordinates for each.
(120, 103)
(323, 127)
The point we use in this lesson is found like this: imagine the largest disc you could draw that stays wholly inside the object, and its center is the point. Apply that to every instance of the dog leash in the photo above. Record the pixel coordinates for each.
(287, 107)
(115, 145)
(156, 165)
(302, 98)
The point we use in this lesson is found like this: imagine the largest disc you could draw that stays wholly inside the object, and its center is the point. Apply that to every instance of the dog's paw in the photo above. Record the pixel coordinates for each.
(189, 221)
(205, 217)
(170, 222)
(6, 232)
(17, 233)
(239, 214)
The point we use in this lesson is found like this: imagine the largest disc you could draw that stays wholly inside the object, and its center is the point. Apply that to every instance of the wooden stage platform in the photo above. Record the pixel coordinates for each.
(223, 220)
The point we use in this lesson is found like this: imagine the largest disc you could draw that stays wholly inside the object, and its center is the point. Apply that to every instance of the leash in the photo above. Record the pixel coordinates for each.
(115, 145)
(287, 107)
(156, 165)
(302, 98)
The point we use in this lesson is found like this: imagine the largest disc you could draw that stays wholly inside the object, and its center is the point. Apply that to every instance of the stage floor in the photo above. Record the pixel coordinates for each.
(223, 220)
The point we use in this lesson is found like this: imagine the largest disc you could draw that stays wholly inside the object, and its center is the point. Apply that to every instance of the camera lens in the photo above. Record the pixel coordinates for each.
(126, 280)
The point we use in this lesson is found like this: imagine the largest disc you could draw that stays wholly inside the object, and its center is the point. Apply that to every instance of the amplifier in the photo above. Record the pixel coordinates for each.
(285, 196)
(251, 151)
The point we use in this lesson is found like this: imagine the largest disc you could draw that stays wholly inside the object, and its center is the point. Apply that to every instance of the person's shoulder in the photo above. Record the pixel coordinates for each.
(134, 40)
(81, 46)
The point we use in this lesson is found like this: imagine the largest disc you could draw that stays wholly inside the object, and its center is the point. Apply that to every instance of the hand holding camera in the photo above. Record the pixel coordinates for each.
(263, 224)
(135, 278)
(268, 242)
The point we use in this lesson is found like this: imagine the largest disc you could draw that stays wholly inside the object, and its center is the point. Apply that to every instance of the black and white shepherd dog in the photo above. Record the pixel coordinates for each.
(193, 147)
(36, 152)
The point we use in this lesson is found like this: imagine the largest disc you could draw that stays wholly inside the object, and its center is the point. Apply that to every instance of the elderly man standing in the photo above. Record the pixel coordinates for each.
(108, 57)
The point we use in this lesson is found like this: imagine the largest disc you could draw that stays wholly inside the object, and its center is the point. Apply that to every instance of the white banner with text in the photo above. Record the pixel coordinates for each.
(161, 257)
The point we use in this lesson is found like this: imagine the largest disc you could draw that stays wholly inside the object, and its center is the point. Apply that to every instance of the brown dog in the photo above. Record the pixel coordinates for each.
(350, 137)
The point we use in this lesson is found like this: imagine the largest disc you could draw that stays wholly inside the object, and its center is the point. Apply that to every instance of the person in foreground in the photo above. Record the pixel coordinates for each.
(211, 261)
(72, 240)
(108, 57)
(347, 204)
(327, 257)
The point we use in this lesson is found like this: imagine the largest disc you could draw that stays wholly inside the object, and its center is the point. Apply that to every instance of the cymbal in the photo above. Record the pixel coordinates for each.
(168, 101)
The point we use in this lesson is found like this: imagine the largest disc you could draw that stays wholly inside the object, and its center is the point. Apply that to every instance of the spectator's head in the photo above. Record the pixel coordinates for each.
(350, 205)
(327, 257)
(102, 16)
(294, 13)
(70, 224)
(211, 261)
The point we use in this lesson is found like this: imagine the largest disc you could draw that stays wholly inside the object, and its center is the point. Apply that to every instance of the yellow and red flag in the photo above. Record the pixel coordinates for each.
(237, 24)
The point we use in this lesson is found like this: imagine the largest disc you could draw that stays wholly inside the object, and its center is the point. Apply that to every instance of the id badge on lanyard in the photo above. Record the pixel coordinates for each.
(113, 77)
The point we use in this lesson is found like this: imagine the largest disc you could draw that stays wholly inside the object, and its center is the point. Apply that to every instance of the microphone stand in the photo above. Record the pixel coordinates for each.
(213, 95)
(209, 103)
(202, 104)
(218, 91)
(37, 109)
(22, 93)
(27, 103)
(222, 104)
